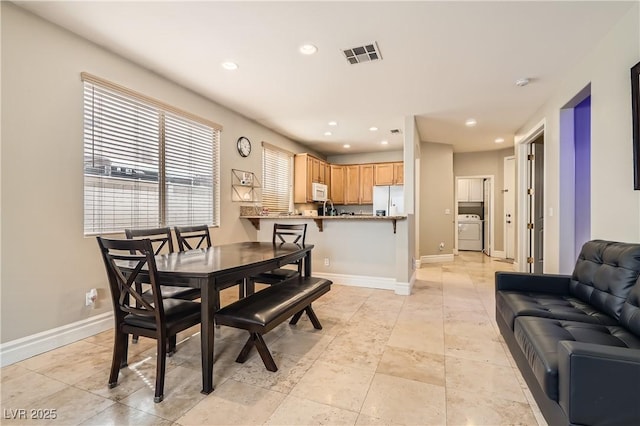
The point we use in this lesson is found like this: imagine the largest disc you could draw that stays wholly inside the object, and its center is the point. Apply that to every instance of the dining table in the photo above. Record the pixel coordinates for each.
(214, 268)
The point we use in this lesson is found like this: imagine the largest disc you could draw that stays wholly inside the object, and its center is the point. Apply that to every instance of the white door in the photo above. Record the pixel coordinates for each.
(509, 206)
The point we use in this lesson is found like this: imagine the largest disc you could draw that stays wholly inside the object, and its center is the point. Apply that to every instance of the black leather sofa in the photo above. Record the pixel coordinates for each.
(576, 339)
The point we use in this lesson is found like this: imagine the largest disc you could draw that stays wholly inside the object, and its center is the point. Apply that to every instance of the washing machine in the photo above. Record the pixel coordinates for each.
(469, 232)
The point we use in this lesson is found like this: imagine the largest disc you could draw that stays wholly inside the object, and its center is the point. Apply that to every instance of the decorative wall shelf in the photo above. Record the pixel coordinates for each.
(245, 186)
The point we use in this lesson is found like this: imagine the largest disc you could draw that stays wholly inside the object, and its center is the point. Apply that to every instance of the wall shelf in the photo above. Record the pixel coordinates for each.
(245, 186)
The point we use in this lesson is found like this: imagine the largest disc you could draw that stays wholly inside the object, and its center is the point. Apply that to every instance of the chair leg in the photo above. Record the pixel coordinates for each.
(134, 338)
(119, 351)
(241, 289)
(160, 368)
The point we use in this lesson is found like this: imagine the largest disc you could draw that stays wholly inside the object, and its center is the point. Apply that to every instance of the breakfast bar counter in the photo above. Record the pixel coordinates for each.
(319, 220)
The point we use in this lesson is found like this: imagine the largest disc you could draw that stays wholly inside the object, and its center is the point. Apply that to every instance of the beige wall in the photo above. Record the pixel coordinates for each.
(47, 263)
(485, 164)
(370, 157)
(615, 206)
(436, 195)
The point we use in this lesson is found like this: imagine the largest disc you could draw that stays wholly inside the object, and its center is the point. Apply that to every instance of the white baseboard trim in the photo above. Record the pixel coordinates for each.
(404, 289)
(499, 253)
(436, 258)
(359, 280)
(26, 347)
(416, 264)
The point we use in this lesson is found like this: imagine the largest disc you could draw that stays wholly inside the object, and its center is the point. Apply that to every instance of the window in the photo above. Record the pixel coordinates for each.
(277, 172)
(146, 164)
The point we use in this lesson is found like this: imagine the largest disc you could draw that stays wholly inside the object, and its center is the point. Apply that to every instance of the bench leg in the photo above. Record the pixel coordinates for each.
(244, 353)
(261, 346)
(256, 340)
(312, 317)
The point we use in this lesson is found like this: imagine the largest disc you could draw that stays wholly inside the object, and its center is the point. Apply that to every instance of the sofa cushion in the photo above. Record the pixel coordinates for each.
(604, 274)
(538, 339)
(512, 304)
(630, 315)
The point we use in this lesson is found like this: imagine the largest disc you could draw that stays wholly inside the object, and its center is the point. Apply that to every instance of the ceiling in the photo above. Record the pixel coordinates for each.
(443, 62)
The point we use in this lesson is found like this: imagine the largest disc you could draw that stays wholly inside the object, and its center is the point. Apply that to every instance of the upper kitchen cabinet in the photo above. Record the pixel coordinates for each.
(337, 178)
(470, 190)
(307, 169)
(389, 173)
(352, 184)
(366, 184)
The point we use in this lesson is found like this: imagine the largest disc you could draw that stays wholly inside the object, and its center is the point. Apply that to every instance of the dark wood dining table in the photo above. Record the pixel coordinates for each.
(214, 268)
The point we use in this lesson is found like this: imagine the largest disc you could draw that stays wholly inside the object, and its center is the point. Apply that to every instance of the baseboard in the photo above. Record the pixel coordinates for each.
(416, 264)
(499, 253)
(404, 289)
(26, 347)
(436, 258)
(359, 280)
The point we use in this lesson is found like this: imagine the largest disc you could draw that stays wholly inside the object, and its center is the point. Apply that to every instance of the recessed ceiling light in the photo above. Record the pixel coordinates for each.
(333, 123)
(231, 66)
(373, 128)
(499, 140)
(384, 142)
(470, 122)
(308, 49)
(328, 133)
(346, 145)
(521, 82)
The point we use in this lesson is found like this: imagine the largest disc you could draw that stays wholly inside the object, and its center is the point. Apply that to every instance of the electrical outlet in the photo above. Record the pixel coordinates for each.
(441, 245)
(90, 297)
(326, 261)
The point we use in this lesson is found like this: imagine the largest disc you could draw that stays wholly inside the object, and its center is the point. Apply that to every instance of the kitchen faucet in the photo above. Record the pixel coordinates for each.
(324, 207)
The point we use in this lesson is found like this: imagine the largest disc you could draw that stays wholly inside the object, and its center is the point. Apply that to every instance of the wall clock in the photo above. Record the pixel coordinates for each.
(244, 146)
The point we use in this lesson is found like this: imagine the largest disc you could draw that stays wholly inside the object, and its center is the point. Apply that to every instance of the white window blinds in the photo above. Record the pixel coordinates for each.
(277, 177)
(144, 165)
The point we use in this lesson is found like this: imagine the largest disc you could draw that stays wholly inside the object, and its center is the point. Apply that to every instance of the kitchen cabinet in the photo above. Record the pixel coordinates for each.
(352, 184)
(337, 178)
(470, 190)
(389, 173)
(366, 184)
(306, 170)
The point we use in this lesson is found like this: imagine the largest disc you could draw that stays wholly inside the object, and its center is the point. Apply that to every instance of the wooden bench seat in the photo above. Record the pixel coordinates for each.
(261, 312)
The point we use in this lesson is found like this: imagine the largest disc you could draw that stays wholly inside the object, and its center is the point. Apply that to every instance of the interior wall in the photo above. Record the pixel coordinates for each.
(368, 157)
(615, 206)
(436, 196)
(483, 164)
(44, 250)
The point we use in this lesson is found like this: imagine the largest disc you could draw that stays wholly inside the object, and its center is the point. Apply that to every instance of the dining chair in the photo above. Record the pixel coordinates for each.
(193, 237)
(283, 233)
(197, 237)
(151, 316)
(160, 239)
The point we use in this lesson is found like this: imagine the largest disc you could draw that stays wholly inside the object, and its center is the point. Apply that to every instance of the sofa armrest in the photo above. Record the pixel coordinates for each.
(599, 384)
(539, 283)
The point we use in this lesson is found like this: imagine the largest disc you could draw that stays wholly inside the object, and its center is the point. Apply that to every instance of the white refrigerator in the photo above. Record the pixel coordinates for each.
(388, 198)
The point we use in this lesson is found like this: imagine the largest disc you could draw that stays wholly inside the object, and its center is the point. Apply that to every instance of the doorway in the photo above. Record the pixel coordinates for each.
(480, 204)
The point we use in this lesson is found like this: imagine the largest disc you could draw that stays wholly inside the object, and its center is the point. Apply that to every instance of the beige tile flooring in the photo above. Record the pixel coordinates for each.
(432, 358)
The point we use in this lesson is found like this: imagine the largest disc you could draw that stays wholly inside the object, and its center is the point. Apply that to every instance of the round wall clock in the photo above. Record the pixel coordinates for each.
(244, 146)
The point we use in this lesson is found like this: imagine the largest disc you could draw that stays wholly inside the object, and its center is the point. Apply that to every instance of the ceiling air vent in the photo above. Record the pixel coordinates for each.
(395, 131)
(368, 52)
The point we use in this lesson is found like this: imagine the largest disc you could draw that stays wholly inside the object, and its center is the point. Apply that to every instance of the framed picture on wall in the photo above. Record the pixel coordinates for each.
(635, 111)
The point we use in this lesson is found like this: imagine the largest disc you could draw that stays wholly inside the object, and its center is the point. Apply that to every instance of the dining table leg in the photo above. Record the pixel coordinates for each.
(208, 297)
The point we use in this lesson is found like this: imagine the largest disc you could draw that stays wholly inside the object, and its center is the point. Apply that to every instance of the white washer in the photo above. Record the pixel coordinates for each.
(469, 232)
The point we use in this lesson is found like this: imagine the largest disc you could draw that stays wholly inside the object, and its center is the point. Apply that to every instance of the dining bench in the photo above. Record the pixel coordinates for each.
(264, 310)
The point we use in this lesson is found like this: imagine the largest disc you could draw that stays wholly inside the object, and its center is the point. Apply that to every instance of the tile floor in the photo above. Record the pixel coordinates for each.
(432, 358)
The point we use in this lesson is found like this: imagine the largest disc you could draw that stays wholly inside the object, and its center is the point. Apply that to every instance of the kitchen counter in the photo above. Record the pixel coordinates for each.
(319, 220)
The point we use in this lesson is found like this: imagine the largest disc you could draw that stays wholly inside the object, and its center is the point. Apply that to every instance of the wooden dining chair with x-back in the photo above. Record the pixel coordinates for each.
(198, 237)
(149, 315)
(162, 242)
(283, 233)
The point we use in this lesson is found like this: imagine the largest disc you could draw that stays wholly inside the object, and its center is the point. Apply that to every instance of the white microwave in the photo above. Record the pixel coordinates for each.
(319, 192)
